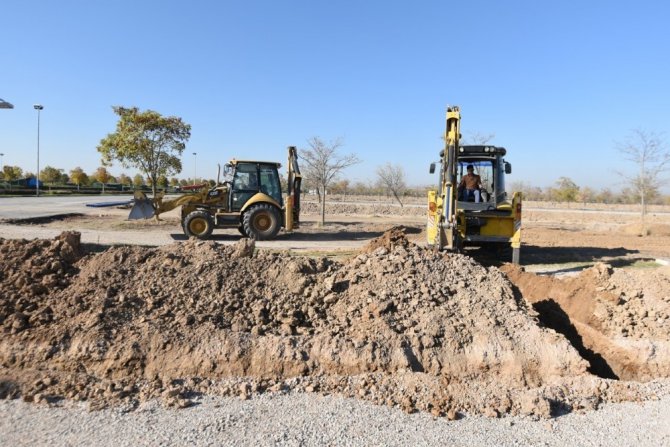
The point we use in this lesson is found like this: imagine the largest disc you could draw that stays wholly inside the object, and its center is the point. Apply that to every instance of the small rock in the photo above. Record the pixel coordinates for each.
(452, 414)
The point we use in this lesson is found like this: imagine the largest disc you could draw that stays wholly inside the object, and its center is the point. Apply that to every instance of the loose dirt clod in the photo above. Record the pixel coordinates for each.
(396, 325)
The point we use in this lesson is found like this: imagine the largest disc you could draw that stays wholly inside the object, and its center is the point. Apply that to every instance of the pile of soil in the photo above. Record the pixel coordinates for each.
(398, 325)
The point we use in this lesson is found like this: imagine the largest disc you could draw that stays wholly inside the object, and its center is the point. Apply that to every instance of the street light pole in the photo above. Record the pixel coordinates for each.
(195, 166)
(39, 108)
(4, 105)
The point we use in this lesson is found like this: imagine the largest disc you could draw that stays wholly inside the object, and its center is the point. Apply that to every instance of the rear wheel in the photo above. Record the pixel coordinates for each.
(242, 232)
(261, 222)
(198, 224)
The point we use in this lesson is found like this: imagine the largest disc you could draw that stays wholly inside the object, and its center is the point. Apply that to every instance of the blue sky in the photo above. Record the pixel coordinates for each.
(558, 83)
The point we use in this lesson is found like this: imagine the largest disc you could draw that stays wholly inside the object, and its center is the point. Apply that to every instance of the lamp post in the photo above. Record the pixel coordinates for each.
(39, 108)
(195, 166)
(4, 105)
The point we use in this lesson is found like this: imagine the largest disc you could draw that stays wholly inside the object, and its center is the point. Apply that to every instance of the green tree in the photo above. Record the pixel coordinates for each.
(174, 181)
(10, 173)
(146, 141)
(138, 181)
(78, 176)
(124, 179)
(162, 181)
(101, 175)
(566, 190)
(50, 174)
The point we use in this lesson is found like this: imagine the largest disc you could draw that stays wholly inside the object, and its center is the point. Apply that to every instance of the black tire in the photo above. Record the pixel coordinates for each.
(516, 256)
(198, 224)
(261, 222)
(242, 232)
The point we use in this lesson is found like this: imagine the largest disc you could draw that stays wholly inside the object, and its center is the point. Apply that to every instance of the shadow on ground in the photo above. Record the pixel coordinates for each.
(333, 231)
(533, 254)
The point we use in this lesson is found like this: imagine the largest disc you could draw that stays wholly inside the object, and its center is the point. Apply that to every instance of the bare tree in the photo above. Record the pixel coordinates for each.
(392, 178)
(479, 138)
(652, 157)
(322, 164)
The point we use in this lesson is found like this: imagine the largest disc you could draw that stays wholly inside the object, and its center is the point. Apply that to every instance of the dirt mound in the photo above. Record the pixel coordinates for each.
(394, 237)
(621, 324)
(396, 325)
(30, 270)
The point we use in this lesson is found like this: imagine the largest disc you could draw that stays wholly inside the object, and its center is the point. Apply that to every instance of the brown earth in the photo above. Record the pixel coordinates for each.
(397, 324)
(618, 321)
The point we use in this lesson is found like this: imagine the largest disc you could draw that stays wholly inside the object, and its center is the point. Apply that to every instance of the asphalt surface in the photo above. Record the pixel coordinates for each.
(44, 206)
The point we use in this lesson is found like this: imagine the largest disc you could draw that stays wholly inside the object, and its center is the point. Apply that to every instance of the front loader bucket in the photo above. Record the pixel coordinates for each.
(143, 207)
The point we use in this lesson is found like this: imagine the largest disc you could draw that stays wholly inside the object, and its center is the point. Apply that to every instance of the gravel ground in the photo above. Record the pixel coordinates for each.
(303, 419)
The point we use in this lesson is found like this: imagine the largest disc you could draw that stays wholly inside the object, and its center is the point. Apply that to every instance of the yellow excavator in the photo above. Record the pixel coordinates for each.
(474, 209)
(250, 199)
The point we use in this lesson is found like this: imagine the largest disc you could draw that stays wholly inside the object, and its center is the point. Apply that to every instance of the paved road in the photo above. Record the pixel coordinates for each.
(43, 206)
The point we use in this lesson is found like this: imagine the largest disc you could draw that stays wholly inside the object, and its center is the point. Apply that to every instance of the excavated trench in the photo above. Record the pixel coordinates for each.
(396, 325)
(622, 330)
(553, 316)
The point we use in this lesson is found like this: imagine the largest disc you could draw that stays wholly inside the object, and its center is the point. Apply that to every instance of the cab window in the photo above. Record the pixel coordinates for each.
(246, 178)
(270, 182)
(245, 185)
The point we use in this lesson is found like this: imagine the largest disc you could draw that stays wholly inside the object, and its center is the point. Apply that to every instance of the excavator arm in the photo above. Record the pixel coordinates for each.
(442, 219)
(292, 218)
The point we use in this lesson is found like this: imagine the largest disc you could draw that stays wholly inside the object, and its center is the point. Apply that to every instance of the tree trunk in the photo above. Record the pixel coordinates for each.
(644, 210)
(323, 208)
(398, 199)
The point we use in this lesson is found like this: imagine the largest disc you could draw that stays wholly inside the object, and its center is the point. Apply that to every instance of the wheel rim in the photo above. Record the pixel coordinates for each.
(198, 226)
(262, 222)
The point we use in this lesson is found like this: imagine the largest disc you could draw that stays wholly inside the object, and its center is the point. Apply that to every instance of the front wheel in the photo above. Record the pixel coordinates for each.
(261, 222)
(198, 224)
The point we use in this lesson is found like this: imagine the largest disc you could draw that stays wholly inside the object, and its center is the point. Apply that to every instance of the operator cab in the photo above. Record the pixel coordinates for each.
(489, 165)
(249, 178)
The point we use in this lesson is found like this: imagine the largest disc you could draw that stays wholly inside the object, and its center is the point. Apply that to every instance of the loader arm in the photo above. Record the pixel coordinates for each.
(145, 208)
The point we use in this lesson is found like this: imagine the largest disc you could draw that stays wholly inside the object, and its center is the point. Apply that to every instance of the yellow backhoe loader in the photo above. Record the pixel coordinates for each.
(472, 210)
(250, 199)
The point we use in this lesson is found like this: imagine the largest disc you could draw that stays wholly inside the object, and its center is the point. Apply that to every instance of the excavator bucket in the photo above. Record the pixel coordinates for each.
(143, 207)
